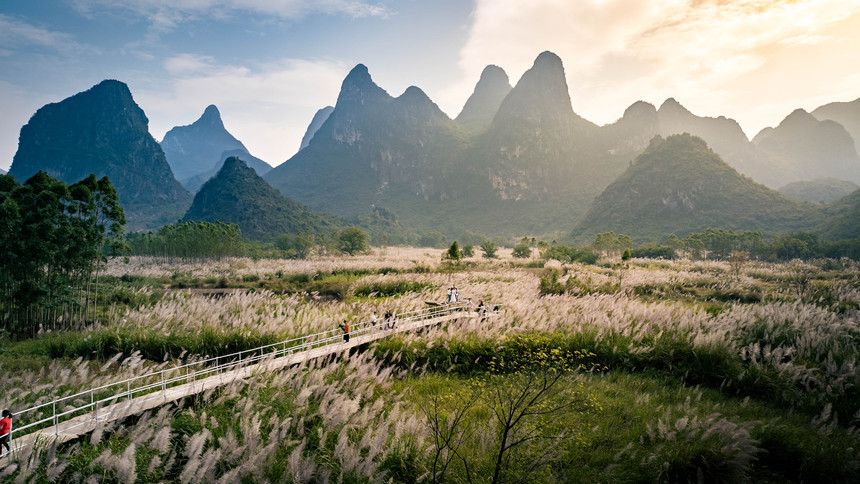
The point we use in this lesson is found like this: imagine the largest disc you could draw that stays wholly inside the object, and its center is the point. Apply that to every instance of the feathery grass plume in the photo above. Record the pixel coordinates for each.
(123, 464)
(302, 469)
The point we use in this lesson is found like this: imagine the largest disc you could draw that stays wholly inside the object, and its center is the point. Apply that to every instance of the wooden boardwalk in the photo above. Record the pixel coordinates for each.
(73, 428)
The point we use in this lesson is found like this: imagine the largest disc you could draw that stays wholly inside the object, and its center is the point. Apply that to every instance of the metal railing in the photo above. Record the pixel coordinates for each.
(60, 410)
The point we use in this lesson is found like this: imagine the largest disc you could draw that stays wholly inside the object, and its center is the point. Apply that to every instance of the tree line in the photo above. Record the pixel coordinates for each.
(709, 244)
(196, 240)
(54, 238)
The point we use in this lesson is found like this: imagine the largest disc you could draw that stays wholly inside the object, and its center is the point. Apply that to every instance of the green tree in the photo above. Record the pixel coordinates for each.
(468, 251)
(352, 240)
(453, 253)
(522, 251)
(489, 249)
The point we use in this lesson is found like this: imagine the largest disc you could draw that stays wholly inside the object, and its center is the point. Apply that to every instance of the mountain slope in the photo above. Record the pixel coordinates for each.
(373, 150)
(102, 131)
(843, 218)
(195, 149)
(812, 148)
(261, 167)
(678, 185)
(845, 113)
(319, 118)
(238, 195)
(483, 104)
(819, 190)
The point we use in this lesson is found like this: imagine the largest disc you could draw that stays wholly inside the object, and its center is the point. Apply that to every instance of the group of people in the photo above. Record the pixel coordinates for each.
(453, 295)
(389, 320)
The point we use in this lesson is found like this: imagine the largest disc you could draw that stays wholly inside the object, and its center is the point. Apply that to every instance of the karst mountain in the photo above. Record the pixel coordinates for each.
(237, 194)
(102, 131)
(196, 152)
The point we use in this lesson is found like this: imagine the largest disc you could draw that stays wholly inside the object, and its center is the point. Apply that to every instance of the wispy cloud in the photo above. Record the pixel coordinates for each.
(17, 35)
(618, 51)
(165, 15)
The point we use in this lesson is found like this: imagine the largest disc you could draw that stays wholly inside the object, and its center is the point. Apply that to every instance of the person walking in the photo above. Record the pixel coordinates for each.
(373, 319)
(450, 294)
(345, 328)
(456, 295)
(5, 432)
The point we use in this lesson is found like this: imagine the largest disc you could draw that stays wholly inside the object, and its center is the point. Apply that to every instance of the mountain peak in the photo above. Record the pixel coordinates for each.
(540, 96)
(233, 163)
(101, 131)
(640, 109)
(485, 100)
(194, 149)
(358, 88)
(211, 115)
(236, 194)
(671, 106)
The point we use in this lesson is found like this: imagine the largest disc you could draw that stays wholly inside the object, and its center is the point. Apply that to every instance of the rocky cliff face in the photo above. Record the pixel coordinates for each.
(102, 131)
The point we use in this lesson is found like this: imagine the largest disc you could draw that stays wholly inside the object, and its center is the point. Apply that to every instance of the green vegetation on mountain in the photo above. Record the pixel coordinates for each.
(534, 169)
(238, 195)
(678, 186)
(102, 131)
(843, 221)
(819, 190)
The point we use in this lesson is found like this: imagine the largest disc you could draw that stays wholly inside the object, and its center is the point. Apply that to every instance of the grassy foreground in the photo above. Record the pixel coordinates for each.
(651, 372)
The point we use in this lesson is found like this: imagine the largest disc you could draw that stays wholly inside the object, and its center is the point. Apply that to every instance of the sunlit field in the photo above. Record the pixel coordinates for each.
(644, 371)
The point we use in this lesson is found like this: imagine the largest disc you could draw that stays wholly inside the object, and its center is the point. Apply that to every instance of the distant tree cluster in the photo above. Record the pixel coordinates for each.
(53, 239)
(190, 240)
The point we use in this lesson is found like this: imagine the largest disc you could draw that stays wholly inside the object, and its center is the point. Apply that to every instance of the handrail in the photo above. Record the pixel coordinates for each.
(99, 397)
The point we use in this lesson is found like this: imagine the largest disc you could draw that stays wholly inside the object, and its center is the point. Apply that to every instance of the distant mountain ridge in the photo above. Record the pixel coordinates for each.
(236, 194)
(812, 148)
(819, 190)
(484, 102)
(845, 113)
(678, 185)
(196, 151)
(102, 131)
(319, 118)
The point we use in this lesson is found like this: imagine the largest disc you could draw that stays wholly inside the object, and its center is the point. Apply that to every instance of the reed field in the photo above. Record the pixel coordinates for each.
(643, 371)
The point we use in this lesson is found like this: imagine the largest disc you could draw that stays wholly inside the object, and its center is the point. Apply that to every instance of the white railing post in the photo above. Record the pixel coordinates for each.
(56, 422)
(93, 404)
(128, 388)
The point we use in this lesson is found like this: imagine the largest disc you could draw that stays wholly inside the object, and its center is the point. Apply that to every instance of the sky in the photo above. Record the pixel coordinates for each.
(269, 65)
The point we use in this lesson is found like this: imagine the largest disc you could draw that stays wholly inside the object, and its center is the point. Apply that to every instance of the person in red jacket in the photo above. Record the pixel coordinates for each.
(5, 430)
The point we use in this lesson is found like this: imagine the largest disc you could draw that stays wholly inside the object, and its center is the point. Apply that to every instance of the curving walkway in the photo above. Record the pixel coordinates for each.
(70, 417)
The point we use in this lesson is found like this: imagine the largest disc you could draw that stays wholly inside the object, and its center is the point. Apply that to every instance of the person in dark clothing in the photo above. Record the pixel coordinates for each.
(345, 328)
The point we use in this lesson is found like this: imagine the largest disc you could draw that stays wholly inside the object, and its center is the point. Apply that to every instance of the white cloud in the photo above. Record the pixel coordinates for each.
(16, 34)
(618, 51)
(266, 106)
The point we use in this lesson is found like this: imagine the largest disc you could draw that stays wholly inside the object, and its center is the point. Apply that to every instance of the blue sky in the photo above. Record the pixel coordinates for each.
(269, 65)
